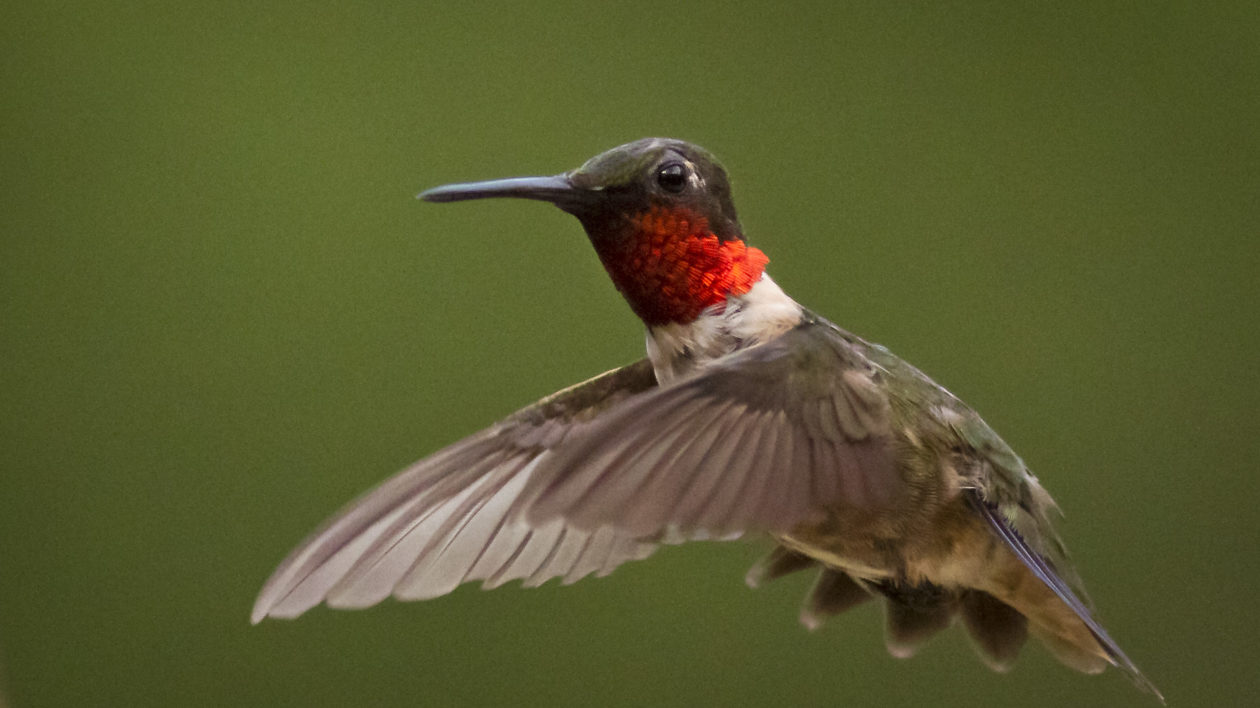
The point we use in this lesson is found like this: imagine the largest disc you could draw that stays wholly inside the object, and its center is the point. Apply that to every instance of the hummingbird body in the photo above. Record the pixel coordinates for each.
(749, 414)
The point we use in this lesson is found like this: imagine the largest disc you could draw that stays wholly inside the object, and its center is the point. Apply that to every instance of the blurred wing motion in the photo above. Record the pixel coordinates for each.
(759, 439)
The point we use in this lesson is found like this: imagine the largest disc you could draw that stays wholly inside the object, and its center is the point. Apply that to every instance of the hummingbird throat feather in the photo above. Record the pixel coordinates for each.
(670, 267)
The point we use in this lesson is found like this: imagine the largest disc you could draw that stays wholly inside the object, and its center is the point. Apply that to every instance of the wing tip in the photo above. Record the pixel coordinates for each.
(1114, 655)
(270, 611)
(1130, 670)
(272, 596)
(263, 606)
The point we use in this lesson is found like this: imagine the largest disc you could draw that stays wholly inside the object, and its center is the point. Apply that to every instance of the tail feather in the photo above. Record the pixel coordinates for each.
(1027, 597)
(1071, 653)
(777, 564)
(834, 592)
(1057, 635)
(913, 614)
(997, 629)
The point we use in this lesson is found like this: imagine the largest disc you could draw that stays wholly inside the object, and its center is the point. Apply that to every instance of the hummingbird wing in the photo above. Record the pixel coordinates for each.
(762, 438)
(445, 520)
(1046, 572)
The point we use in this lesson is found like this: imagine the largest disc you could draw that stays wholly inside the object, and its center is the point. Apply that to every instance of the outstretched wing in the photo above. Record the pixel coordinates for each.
(761, 439)
(601, 473)
(445, 520)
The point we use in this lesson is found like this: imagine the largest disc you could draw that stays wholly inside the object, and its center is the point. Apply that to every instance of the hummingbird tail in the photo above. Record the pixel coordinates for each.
(834, 591)
(1023, 596)
(913, 614)
(997, 629)
(1057, 615)
(776, 564)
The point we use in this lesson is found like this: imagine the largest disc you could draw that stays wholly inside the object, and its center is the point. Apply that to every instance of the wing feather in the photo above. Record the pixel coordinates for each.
(654, 510)
(595, 553)
(436, 562)
(725, 491)
(646, 511)
(637, 475)
(776, 498)
(424, 522)
(449, 518)
(1047, 574)
(601, 473)
(823, 458)
(698, 506)
(808, 386)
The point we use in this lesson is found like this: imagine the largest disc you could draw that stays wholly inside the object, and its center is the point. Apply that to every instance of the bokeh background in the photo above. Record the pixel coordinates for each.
(224, 315)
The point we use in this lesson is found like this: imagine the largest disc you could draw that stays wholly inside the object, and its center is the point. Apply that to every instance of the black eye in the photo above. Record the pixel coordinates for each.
(672, 177)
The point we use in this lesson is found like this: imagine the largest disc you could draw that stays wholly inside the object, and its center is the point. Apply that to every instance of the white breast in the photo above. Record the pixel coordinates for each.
(757, 316)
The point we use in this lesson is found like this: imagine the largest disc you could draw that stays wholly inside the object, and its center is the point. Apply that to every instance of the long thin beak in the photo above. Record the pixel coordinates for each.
(556, 189)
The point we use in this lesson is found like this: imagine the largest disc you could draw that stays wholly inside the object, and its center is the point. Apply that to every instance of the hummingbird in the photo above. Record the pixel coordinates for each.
(749, 415)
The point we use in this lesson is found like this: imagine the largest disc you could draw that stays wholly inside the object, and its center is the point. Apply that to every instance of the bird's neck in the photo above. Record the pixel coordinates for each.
(671, 267)
(758, 315)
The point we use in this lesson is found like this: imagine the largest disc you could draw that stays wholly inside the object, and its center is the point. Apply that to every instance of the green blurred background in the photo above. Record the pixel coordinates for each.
(224, 315)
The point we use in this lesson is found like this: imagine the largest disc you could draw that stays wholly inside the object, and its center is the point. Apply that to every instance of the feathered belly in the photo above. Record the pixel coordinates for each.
(949, 548)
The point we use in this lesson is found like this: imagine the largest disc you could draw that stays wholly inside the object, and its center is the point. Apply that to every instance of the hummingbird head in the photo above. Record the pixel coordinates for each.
(659, 214)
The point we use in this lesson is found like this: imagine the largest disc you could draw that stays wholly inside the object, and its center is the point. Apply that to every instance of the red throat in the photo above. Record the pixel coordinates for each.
(670, 267)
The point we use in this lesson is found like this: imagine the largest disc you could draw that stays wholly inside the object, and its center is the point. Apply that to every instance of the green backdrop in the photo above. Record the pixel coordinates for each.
(224, 315)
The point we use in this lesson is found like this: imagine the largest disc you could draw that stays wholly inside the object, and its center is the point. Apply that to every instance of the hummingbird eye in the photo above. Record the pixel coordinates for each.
(672, 177)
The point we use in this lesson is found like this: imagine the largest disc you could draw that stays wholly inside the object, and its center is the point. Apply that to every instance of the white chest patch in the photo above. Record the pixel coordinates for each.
(759, 315)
